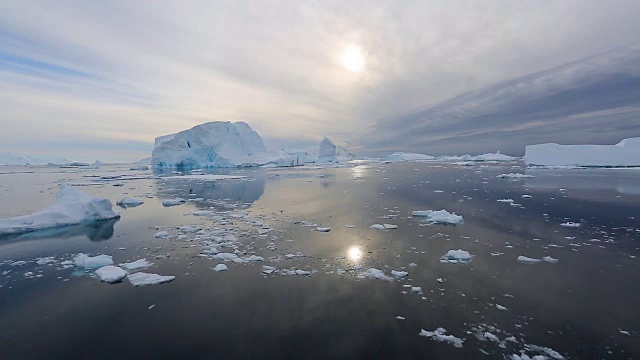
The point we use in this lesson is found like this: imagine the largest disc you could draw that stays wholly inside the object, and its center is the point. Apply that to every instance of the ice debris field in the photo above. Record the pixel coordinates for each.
(232, 235)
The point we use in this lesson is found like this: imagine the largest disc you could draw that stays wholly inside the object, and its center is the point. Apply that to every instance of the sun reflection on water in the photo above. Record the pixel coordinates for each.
(354, 254)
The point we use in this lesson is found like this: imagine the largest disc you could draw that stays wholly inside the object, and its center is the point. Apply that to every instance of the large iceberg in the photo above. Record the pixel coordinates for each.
(71, 207)
(220, 144)
(624, 153)
(213, 144)
(330, 152)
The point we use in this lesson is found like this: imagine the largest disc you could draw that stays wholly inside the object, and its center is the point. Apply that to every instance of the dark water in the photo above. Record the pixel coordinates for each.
(576, 307)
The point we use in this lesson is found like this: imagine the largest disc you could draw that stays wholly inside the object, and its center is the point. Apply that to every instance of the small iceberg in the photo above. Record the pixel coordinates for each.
(173, 202)
(528, 260)
(71, 207)
(111, 274)
(399, 274)
(129, 202)
(374, 273)
(323, 229)
(87, 262)
(439, 216)
(220, 267)
(457, 257)
(143, 279)
(440, 334)
(571, 224)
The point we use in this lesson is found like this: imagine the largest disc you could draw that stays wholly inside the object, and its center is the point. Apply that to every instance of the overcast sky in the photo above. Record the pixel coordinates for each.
(101, 79)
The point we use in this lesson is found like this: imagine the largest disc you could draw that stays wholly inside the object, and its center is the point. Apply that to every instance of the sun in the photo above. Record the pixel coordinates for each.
(353, 58)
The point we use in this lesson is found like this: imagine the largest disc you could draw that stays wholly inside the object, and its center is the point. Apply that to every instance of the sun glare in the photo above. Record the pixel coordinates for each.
(353, 58)
(354, 253)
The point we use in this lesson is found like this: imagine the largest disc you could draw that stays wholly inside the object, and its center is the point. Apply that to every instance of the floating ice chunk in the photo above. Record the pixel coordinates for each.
(220, 267)
(142, 279)
(500, 307)
(253, 258)
(208, 177)
(439, 216)
(173, 202)
(526, 196)
(46, 260)
(413, 264)
(550, 260)
(416, 289)
(268, 269)
(139, 168)
(528, 260)
(264, 231)
(400, 317)
(439, 334)
(457, 257)
(349, 226)
(527, 357)
(227, 257)
(440, 280)
(570, 224)
(374, 273)
(71, 207)
(86, 262)
(323, 229)
(390, 226)
(514, 176)
(202, 213)
(303, 272)
(490, 336)
(402, 156)
(129, 202)
(505, 200)
(545, 350)
(135, 265)
(399, 274)
(161, 235)
(624, 332)
(377, 226)
(111, 274)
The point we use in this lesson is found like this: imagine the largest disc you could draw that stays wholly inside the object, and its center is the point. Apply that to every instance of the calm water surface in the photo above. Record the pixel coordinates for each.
(577, 307)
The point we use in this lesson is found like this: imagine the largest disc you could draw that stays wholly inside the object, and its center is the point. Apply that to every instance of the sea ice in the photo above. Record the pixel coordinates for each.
(439, 216)
(528, 260)
(86, 262)
(71, 207)
(135, 265)
(142, 279)
(374, 273)
(457, 257)
(439, 334)
(111, 274)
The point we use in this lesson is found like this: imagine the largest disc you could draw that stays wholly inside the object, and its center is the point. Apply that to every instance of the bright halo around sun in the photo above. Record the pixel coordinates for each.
(353, 58)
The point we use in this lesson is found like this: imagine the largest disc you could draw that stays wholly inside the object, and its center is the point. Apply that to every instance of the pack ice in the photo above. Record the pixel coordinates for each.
(624, 153)
(71, 207)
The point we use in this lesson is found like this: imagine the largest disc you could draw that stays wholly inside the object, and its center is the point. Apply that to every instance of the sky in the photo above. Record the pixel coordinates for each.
(100, 80)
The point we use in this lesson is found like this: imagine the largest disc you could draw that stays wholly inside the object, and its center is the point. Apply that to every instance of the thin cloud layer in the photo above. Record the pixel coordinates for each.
(102, 79)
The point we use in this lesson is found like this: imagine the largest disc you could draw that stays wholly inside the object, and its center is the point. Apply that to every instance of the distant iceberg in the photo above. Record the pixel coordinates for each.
(71, 207)
(330, 152)
(403, 156)
(7, 158)
(625, 153)
(497, 156)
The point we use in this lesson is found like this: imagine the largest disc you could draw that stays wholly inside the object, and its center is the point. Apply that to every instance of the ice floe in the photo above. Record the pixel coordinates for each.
(135, 265)
(110, 274)
(173, 202)
(87, 262)
(440, 334)
(129, 202)
(439, 216)
(457, 257)
(143, 279)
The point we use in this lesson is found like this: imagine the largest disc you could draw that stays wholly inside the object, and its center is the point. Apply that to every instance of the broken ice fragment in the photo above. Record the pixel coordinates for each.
(111, 274)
